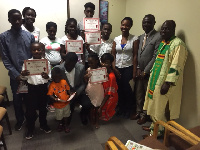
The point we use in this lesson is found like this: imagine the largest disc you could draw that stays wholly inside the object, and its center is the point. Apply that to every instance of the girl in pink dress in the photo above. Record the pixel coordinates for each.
(109, 103)
(94, 91)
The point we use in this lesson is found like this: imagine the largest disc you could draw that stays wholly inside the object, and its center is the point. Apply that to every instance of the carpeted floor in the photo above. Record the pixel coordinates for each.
(80, 138)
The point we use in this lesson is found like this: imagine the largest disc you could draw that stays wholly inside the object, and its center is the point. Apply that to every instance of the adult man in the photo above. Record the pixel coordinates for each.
(163, 96)
(74, 75)
(15, 48)
(148, 46)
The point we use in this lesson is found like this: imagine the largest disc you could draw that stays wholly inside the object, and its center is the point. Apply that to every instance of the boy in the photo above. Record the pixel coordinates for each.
(15, 48)
(37, 94)
(106, 42)
(58, 92)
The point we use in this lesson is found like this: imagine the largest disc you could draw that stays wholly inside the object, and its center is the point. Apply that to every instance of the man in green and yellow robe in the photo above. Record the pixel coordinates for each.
(164, 91)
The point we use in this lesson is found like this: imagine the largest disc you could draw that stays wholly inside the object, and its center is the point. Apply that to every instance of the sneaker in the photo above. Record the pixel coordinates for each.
(46, 129)
(18, 126)
(29, 135)
(50, 108)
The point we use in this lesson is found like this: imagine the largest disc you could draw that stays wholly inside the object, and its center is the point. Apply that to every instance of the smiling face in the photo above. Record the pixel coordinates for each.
(92, 63)
(37, 50)
(125, 26)
(89, 12)
(167, 30)
(148, 24)
(16, 21)
(29, 16)
(51, 33)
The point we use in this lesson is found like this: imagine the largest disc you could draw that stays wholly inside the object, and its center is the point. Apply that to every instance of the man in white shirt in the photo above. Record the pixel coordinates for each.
(74, 75)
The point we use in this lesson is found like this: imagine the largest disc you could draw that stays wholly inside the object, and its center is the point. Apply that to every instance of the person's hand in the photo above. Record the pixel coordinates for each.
(117, 73)
(165, 88)
(87, 77)
(87, 46)
(138, 73)
(25, 73)
(44, 75)
(18, 78)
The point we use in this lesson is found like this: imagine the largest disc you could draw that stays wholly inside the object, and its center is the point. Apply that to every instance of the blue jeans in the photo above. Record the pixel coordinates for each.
(17, 101)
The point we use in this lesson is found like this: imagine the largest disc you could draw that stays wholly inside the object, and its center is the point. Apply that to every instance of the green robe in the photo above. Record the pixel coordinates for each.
(171, 71)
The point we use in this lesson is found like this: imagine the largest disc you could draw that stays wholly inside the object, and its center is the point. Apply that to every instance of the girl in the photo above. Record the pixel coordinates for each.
(52, 44)
(71, 33)
(108, 105)
(29, 15)
(91, 89)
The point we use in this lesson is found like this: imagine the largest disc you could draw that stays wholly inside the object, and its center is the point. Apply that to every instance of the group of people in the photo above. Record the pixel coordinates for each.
(154, 61)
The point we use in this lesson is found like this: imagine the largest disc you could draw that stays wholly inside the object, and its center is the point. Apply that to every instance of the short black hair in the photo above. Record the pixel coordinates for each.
(12, 11)
(107, 56)
(27, 8)
(68, 23)
(106, 24)
(42, 46)
(129, 19)
(56, 71)
(89, 4)
(51, 24)
(71, 57)
(150, 16)
(94, 56)
(173, 23)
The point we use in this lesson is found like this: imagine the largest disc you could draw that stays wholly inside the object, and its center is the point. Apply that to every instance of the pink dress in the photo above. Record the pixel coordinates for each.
(95, 92)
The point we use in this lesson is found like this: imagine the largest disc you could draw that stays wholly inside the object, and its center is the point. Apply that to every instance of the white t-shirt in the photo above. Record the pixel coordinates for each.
(70, 76)
(65, 38)
(124, 57)
(52, 50)
(37, 79)
(36, 33)
(104, 47)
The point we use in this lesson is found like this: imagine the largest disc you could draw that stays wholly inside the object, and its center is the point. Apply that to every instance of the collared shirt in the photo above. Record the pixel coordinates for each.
(15, 48)
(124, 57)
(104, 47)
(37, 79)
(147, 34)
(36, 33)
(70, 77)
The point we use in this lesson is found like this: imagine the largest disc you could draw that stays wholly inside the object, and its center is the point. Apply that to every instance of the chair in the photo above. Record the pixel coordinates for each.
(179, 143)
(3, 92)
(2, 138)
(4, 114)
(152, 141)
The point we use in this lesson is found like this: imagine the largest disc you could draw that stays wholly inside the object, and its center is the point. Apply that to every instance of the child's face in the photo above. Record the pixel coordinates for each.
(106, 63)
(72, 28)
(89, 12)
(51, 33)
(16, 20)
(29, 17)
(106, 30)
(56, 78)
(92, 63)
(37, 51)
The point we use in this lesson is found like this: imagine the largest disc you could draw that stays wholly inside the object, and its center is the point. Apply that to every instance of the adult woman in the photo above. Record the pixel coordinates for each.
(29, 15)
(125, 49)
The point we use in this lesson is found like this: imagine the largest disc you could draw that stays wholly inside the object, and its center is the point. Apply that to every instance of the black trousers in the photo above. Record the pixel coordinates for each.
(125, 93)
(37, 99)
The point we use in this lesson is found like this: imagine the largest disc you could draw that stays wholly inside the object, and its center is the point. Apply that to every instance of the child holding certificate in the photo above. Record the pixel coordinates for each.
(37, 89)
(107, 107)
(71, 33)
(59, 93)
(92, 88)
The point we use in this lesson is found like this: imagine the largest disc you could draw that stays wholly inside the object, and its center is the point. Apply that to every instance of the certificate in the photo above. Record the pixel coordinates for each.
(98, 75)
(74, 46)
(91, 24)
(93, 37)
(36, 66)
